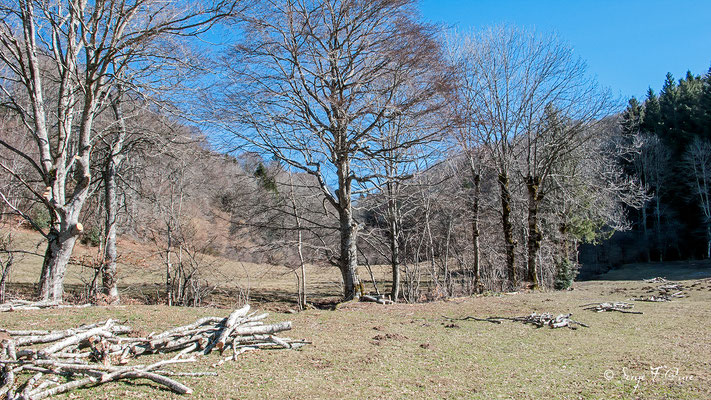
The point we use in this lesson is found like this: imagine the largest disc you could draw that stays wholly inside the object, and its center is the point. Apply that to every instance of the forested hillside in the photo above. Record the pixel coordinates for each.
(672, 131)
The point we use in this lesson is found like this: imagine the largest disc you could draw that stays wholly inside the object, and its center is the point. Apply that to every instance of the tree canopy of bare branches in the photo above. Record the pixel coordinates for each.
(313, 81)
(61, 61)
(528, 103)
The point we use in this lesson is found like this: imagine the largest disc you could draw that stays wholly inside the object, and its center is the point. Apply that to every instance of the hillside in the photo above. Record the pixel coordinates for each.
(142, 276)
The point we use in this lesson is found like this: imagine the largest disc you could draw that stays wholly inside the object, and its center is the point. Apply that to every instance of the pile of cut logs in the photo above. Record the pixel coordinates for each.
(547, 319)
(658, 279)
(667, 292)
(95, 354)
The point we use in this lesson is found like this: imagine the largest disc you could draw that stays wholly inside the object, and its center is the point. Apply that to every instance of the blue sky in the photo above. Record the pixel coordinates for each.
(629, 45)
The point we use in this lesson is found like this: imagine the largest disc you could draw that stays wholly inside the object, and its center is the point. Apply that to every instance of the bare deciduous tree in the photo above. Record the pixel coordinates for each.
(513, 82)
(312, 82)
(63, 58)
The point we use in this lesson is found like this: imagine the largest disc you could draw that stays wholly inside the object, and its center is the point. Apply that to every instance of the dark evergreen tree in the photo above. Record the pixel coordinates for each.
(651, 117)
(689, 107)
(668, 107)
(678, 115)
(632, 117)
(703, 114)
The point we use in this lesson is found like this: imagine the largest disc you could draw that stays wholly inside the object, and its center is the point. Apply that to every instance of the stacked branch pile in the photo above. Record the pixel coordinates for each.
(667, 292)
(539, 320)
(94, 354)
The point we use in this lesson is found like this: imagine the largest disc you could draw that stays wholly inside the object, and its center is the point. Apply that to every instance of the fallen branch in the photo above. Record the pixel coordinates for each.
(653, 299)
(22, 305)
(539, 320)
(380, 299)
(493, 320)
(606, 307)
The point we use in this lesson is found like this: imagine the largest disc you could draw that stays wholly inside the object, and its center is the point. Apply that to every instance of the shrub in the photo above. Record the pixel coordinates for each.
(92, 236)
(566, 273)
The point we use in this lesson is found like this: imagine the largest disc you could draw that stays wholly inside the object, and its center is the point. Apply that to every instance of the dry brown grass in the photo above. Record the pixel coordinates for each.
(364, 350)
(141, 275)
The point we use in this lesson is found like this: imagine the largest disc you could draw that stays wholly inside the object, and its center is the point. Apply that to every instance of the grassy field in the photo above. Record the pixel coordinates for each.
(365, 350)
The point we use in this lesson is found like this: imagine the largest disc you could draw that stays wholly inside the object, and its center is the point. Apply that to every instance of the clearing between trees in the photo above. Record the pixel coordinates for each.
(412, 351)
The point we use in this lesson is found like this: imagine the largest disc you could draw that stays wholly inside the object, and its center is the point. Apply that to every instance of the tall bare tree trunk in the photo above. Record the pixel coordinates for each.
(299, 245)
(507, 227)
(108, 270)
(645, 234)
(658, 226)
(348, 260)
(476, 180)
(109, 281)
(60, 243)
(534, 233)
(394, 238)
(394, 261)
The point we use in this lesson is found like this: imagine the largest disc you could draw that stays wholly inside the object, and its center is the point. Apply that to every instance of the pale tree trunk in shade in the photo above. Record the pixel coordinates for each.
(109, 280)
(645, 234)
(657, 227)
(697, 161)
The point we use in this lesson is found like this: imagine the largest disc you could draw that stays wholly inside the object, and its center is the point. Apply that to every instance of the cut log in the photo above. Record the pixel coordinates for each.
(376, 299)
(229, 326)
(103, 331)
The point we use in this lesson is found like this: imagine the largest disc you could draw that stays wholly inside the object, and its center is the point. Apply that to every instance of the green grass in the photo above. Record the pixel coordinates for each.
(365, 350)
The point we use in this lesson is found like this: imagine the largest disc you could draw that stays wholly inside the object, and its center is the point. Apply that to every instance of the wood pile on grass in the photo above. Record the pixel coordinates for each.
(666, 292)
(538, 320)
(94, 354)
